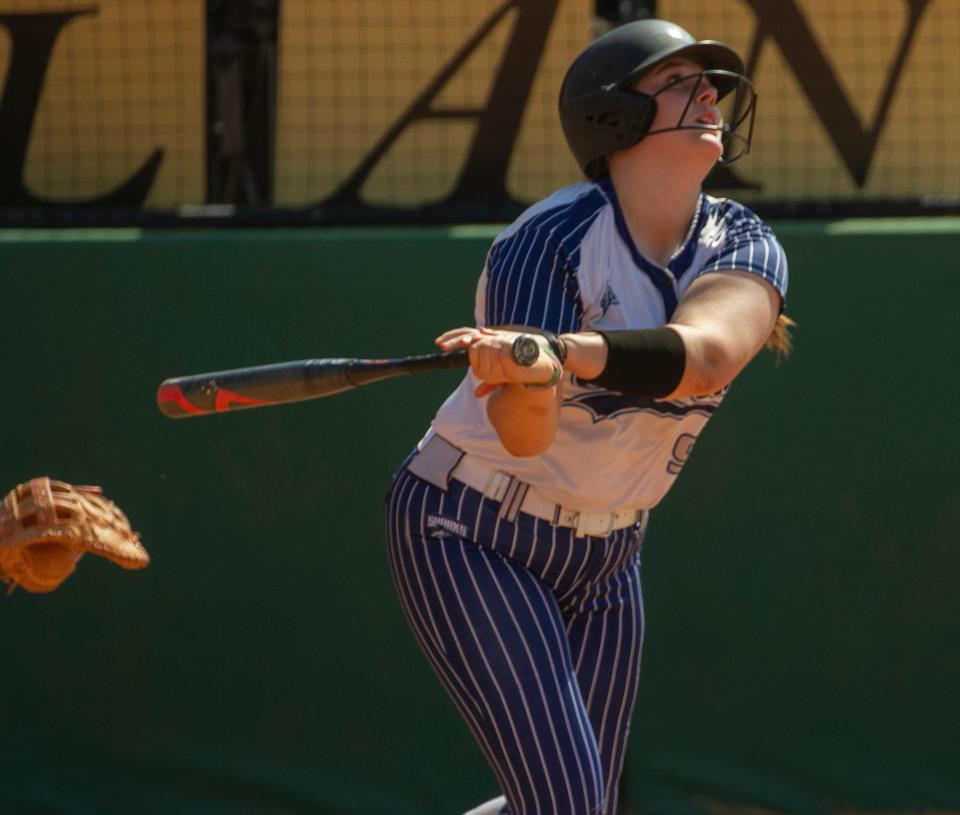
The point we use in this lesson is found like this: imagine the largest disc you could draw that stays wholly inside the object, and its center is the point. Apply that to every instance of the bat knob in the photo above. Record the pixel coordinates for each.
(526, 350)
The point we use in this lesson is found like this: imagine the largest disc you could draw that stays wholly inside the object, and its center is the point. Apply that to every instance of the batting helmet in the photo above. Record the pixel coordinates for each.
(601, 113)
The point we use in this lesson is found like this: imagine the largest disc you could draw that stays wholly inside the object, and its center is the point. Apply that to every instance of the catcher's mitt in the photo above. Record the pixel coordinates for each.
(47, 526)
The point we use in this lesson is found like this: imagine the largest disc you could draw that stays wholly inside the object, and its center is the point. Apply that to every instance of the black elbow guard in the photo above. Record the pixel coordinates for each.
(643, 362)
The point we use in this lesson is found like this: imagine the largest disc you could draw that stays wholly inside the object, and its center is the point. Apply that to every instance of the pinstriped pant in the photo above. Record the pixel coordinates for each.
(535, 634)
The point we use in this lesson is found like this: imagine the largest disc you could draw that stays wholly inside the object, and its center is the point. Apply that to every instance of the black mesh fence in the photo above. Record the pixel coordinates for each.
(426, 111)
(102, 105)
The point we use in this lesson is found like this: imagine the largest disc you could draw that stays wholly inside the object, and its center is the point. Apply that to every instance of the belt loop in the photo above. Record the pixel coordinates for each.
(585, 525)
(578, 521)
(610, 521)
(512, 499)
(435, 461)
(492, 485)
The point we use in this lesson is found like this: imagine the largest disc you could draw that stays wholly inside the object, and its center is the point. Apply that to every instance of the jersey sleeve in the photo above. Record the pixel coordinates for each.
(751, 246)
(529, 280)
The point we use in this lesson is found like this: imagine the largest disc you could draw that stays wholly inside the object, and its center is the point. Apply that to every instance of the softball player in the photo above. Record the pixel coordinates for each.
(515, 528)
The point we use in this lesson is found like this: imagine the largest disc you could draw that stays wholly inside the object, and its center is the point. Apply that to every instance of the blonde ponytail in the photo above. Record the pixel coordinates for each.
(780, 340)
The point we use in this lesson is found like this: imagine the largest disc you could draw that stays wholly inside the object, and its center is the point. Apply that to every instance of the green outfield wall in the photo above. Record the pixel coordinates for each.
(803, 622)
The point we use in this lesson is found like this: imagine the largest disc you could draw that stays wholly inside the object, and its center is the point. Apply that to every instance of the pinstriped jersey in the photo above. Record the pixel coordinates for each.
(569, 264)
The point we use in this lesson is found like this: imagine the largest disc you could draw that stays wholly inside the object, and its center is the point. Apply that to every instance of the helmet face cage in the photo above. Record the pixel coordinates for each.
(737, 101)
(602, 114)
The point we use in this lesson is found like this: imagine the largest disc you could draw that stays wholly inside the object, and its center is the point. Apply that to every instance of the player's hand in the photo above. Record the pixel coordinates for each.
(491, 358)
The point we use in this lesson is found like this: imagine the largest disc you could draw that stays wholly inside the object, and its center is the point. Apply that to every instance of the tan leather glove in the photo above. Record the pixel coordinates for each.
(46, 526)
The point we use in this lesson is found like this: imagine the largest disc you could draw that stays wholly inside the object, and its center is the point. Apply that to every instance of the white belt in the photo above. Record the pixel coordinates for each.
(438, 460)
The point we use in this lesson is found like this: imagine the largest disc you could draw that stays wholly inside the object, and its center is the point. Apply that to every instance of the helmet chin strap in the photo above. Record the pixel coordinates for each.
(726, 136)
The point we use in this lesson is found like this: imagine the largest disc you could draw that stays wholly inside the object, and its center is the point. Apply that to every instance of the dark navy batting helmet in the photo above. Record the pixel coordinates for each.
(601, 113)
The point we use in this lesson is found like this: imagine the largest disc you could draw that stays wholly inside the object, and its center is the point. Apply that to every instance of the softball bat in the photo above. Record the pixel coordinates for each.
(283, 382)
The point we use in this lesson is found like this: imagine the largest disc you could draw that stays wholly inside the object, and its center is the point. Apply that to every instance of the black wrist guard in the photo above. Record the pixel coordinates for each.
(643, 362)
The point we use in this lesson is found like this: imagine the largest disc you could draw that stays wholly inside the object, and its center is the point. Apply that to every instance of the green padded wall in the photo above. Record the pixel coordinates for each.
(803, 640)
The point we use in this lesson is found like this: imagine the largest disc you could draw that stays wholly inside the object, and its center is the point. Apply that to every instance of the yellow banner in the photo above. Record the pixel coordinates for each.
(349, 71)
(105, 98)
(856, 100)
(432, 102)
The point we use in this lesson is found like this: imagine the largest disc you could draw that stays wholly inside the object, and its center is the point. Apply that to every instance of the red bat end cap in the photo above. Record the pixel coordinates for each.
(173, 403)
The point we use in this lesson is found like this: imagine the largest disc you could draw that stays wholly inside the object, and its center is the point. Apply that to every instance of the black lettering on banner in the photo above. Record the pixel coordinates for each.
(33, 37)
(483, 178)
(784, 21)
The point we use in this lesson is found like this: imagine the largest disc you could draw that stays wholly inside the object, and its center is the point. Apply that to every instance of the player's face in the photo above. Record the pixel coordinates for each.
(685, 98)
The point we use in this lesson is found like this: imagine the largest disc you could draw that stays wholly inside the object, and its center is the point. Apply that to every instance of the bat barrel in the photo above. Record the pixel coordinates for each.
(221, 391)
(258, 386)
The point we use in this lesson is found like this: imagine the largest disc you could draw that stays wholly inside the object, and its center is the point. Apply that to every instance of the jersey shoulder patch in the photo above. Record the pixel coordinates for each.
(733, 237)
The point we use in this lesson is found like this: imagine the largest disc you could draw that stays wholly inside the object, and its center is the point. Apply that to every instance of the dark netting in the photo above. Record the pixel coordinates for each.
(304, 112)
(855, 110)
(102, 104)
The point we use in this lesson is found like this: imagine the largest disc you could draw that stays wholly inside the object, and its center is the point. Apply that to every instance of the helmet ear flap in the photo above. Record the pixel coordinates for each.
(601, 124)
(643, 118)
